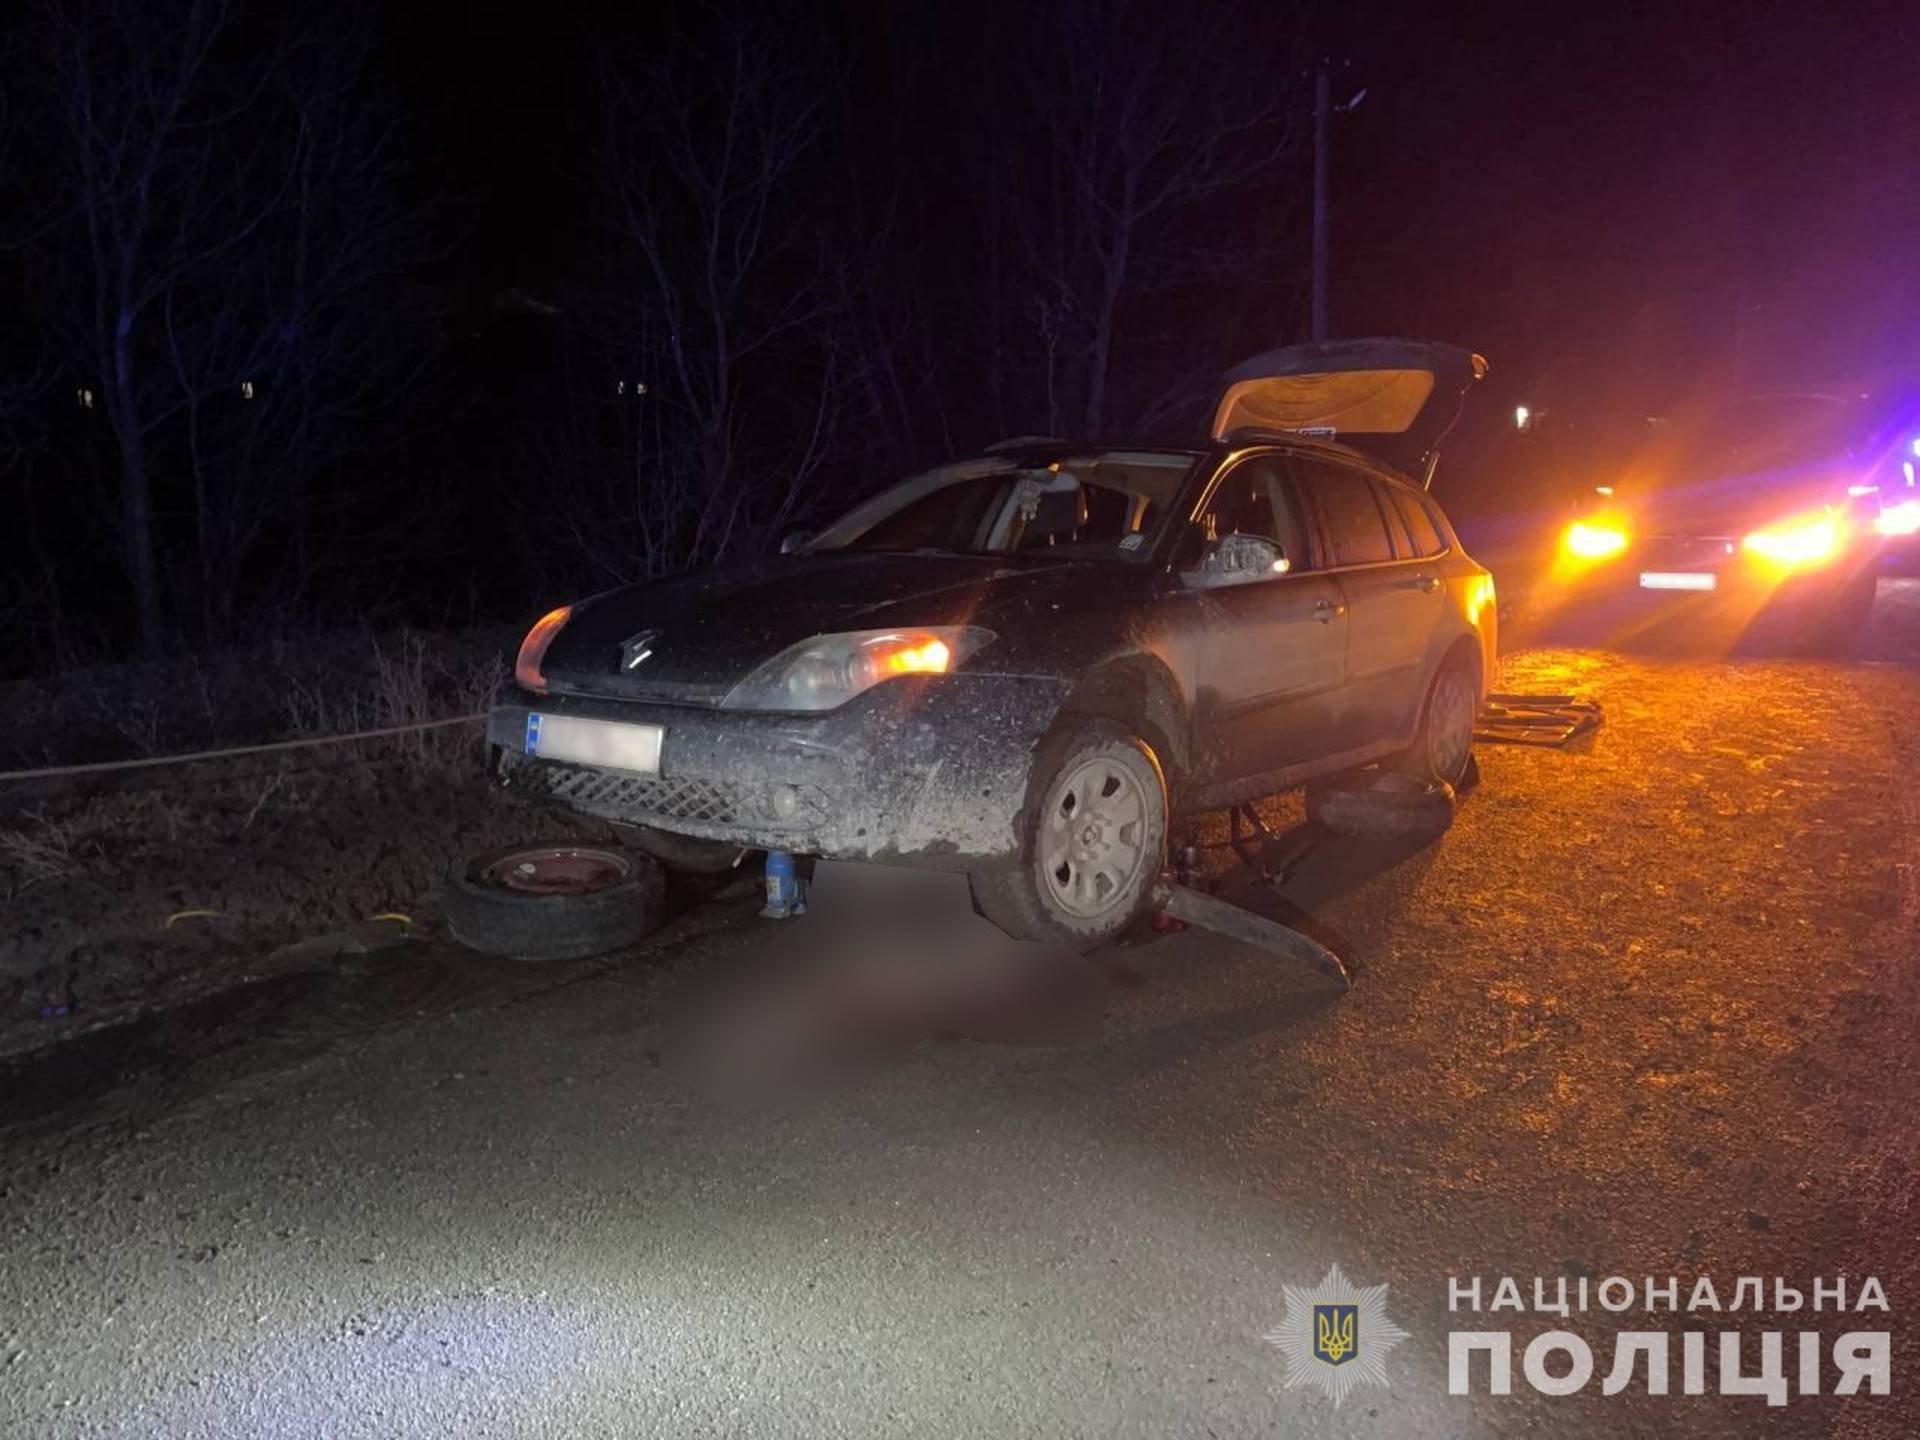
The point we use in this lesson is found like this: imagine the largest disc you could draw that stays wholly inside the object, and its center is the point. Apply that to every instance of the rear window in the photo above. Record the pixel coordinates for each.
(1427, 539)
(1396, 526)
(1354, 524)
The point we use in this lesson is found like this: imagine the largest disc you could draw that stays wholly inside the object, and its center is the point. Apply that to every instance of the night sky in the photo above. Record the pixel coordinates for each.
(1620, 195)
(1629, 209)
(1617, 195)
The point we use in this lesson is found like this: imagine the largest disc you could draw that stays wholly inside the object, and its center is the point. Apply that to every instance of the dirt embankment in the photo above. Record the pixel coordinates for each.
(116, 900)
(302, 684)
(124, 903)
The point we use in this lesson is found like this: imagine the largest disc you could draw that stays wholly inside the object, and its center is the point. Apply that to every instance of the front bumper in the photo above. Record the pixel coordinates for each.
(1735, 577)
(929, 771)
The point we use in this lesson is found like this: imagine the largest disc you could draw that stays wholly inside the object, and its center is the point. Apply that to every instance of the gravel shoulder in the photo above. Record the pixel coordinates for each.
(1646, 1010)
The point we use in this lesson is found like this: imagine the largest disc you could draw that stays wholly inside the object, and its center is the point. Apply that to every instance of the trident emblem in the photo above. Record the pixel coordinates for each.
(1334, 1337)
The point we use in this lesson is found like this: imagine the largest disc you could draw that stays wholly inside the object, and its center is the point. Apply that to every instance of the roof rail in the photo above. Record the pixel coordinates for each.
(1022, 442)
(1256, 434)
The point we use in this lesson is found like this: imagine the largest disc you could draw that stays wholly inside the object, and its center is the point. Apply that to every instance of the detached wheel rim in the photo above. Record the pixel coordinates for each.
(557, 870)
(1450, 726)
(1093, 839)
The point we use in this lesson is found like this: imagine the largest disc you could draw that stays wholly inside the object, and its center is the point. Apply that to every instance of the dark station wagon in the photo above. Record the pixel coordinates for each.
(1022, 665)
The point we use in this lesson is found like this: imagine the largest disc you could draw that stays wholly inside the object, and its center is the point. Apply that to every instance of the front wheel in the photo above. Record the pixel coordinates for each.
(1094, 833)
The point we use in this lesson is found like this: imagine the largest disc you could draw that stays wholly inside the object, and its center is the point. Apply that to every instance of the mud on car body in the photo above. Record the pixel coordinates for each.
(1022, 665)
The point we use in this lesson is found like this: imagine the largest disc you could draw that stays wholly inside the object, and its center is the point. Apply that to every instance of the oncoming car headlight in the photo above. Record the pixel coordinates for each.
(829, 670)
(1798, 542)
(1594, 539)
(1900, 519)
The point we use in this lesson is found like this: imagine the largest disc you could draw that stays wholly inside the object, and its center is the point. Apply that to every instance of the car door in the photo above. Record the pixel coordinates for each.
(1270, 649)
(1395, 596)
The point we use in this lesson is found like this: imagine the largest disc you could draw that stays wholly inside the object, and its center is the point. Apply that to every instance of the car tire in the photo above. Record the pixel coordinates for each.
(624, 904)
(1382, 804)
(1093, 839)
(1442, 749)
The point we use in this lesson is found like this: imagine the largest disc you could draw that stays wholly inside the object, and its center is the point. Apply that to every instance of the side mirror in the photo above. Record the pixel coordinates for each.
(794, 542)
(1236, 560)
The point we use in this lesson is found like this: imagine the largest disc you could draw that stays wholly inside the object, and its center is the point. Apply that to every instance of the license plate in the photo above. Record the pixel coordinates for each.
(610, 744)
(1671, 580)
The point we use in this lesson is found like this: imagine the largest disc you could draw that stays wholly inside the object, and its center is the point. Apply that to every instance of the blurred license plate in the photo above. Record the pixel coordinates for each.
(608, 743)
(1675, 580)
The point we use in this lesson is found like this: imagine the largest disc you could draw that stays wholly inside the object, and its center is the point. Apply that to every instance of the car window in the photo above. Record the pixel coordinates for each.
(945, 519)
(1396, 526)
(1254, 498)
(1355, 528)
(1427, 539)
(1101, 503)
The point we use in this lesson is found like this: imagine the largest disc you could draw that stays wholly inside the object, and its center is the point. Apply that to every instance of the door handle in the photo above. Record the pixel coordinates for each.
(1325, 610)
(1428, 583)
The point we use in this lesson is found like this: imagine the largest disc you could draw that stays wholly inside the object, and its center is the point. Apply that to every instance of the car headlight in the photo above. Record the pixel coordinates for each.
(1594, 539)
(533, 649)
(1900, 519)
(829, 670)
(1799, 542)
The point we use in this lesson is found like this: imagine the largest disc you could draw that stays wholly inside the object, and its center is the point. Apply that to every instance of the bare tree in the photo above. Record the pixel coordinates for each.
(284, 364)
(699, 163)
(1140, 116)
(893, 345)
(220, 225)
(633, 500)
(703, 358)
(143, 113)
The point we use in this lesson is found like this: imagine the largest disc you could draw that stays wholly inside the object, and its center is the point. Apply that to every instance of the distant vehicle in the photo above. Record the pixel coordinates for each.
(1021, 665)
(1784, 504)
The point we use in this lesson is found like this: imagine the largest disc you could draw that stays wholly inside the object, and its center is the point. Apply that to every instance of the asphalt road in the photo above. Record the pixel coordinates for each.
(1649, 1008)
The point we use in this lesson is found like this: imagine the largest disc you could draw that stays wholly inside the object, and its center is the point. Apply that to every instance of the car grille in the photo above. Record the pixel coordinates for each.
(658, 797)
(1682, 551)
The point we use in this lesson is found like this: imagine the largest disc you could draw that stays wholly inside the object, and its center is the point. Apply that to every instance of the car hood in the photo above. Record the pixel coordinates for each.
(1730, 506)
(705, 630)
(1392, 399)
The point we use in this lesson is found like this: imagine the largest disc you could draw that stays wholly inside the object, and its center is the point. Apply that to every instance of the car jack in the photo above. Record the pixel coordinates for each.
(1272, 857)
(1252, 845)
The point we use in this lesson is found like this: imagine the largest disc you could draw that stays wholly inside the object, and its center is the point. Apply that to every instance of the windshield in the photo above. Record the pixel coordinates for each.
(1104, 503)
(1748, 462)
(1752, 437)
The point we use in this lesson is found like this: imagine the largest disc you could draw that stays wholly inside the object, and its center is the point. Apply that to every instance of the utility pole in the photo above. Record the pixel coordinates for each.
(1322, 139)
